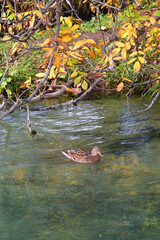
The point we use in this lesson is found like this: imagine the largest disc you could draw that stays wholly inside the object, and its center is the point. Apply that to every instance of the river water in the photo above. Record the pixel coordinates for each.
(43, 197)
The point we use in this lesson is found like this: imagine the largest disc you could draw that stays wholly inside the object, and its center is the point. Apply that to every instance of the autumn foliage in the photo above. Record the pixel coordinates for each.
(126, 58)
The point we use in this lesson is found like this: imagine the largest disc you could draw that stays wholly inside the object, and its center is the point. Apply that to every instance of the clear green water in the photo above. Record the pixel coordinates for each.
(42, 197)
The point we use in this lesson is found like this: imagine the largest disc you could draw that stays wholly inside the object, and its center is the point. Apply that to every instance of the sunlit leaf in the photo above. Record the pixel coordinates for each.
(75, 27)
(14, 48)
(32, 22)
(133, 54)
(48, 53)
(45, 43)
(24, 44)
(85, 85)
(65, 31)
(92, 42)
(125, 34)
(40, 75)
(142, 60)
(152, 20)
(157, 13)
(128, 46)
(110, 60)
(91, 53)
(74, 74)
(137, 67)
(79, 44)
(120, 87)
(66, 38)
(131, 61)
(128, 80)
(68, 22)
(118, 58)
(77, 56)
(124, 53)
(76, 35)
(53, 74)
(140, 52)
(147, 49)
(38, 13)
(115, 51)
(56, 60)
(119, 44)
(77, 80)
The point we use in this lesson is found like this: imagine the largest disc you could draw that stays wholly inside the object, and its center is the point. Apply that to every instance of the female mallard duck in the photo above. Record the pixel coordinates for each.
(82, 156)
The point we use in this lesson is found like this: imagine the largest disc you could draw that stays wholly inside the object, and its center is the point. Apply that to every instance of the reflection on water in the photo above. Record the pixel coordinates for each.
(44, 197)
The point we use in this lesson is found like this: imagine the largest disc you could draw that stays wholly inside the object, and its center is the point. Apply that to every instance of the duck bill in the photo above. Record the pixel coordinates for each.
(102, 155)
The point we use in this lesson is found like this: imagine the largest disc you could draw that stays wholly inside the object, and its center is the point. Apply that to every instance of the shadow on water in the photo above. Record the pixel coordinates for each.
(44, 197)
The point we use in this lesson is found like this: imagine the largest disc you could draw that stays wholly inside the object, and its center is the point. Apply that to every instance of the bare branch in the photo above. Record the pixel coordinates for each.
(105, 4)
(12, 109)
(32, 132)
(151, 104)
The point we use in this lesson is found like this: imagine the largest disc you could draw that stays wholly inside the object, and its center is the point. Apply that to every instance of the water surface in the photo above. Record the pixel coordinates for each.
(44, 197)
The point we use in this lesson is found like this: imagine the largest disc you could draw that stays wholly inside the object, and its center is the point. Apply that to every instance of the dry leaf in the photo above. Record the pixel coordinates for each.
(120, 86)
(137, 67)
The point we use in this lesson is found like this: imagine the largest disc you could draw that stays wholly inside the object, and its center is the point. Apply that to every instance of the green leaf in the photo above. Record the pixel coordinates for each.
(85, 85)
(157, 13)
(77, 80)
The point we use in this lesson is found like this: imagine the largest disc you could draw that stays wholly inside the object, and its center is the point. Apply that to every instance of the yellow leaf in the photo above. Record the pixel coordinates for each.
(41, 32)
(68, 22)
(147, 49)
(128, 45)
(75, 27)
(53, 73)
(79, 44)
(137, 67)
(110, 60)
(40, 75)
(142, 60)
(124, 53)
(14, 48)
(66, 38)
(74, 74)
(125, 34)
(48, 53)
(10, 30)
(128, 80)
(31, 23)
(91, 53)
(38, 13)
(45, 43)
(76, 35)
(119, 44)
(120, 86)
(24, 44)
(76, 55)
(133, 54)
(140, 52)
(6, 38)
(131, 61)
(152, 20)
(118, 58)
(92, 42)
(116, 51)
(56, 60)
(65, 31)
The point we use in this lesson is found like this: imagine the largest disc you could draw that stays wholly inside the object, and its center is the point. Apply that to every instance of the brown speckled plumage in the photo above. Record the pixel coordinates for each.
(82, 156)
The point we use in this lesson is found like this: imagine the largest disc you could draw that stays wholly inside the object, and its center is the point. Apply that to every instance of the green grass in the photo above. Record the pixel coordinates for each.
(92, 25)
